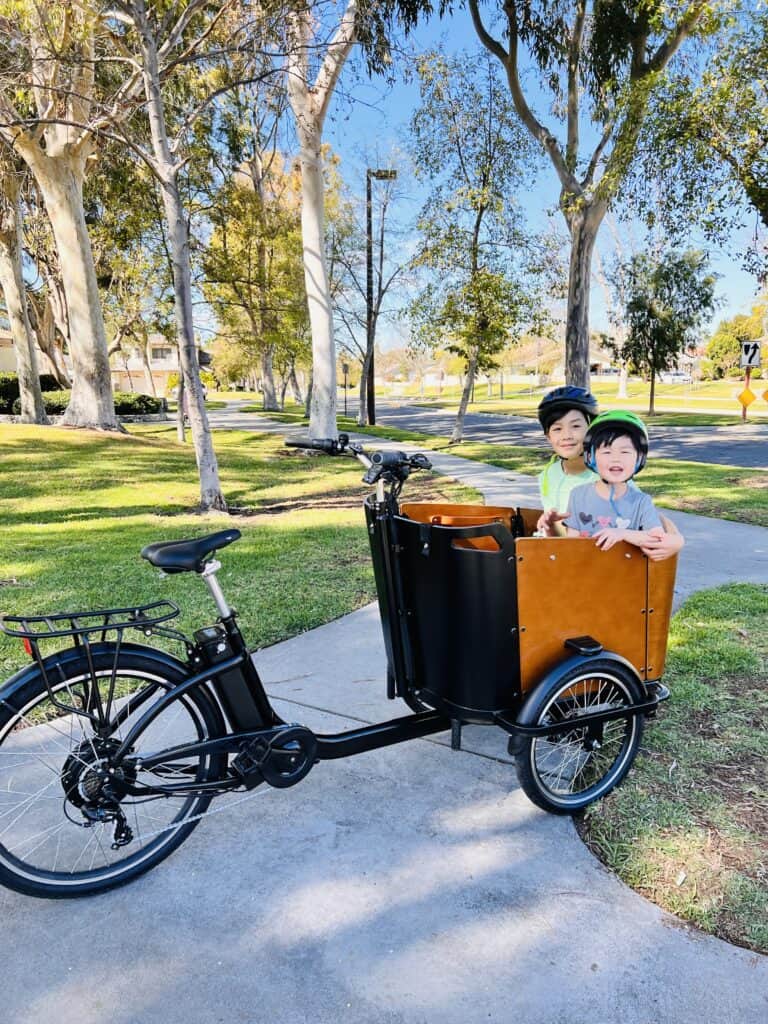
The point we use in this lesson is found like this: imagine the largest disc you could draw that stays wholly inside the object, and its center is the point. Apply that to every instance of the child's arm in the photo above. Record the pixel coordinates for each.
(665, 546)
(550, 523)
(605, 539)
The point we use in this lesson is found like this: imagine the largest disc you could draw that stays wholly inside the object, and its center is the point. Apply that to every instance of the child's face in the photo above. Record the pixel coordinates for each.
(616, 461)
(566, 435)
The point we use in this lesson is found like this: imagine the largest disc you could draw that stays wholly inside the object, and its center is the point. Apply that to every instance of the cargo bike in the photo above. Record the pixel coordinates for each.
(111, 750)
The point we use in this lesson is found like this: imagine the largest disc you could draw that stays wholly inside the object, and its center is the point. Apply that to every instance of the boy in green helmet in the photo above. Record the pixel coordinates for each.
(608, 509)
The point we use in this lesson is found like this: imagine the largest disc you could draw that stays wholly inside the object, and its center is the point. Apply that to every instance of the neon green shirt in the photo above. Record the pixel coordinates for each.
(555, 485)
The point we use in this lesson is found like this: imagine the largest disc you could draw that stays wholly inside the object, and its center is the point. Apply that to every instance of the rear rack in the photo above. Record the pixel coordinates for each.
(87, 628)
(82, 624)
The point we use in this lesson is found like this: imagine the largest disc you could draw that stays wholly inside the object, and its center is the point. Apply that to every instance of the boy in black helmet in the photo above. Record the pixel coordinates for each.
(565, 415)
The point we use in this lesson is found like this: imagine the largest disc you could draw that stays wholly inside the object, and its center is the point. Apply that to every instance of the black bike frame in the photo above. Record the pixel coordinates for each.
(329, 746)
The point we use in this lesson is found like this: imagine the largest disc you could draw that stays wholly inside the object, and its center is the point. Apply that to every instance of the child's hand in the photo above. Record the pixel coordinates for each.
(547, 520)
(661, 545)
(606, 538)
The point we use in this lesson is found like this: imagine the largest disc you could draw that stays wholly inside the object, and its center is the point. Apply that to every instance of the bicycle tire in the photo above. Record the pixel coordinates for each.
(49, 758)
(567, 772)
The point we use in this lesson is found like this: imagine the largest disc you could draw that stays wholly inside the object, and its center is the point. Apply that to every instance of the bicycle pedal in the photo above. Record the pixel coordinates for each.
(247, 764)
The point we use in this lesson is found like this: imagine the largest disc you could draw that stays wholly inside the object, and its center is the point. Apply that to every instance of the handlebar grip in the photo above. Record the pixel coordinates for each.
(389, 458)
(319, 444)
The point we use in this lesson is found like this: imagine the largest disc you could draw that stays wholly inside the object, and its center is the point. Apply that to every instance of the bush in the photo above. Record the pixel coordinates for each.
(127, 403)
(131, 403)
(9, 388)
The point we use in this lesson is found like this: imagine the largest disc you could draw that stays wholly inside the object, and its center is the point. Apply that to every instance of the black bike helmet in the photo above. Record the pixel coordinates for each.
(555, 403)
(610, 425)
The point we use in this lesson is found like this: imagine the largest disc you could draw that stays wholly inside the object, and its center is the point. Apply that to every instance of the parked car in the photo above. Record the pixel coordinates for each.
(675, 377)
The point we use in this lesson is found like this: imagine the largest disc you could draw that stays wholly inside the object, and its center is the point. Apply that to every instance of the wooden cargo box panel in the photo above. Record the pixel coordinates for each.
(568, 588)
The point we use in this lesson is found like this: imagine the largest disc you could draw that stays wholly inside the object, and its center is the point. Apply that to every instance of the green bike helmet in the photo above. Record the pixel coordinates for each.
(605, 428)
(561, 400)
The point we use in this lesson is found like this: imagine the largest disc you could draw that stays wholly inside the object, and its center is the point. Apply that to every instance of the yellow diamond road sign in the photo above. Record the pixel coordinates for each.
(746, 397)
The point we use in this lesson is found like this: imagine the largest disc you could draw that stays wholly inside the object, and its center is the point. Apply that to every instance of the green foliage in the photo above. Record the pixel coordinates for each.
(207, 379)
(666, 299)
(705, 148)
(475, 254)
(9, 389)
(253, 267)
(127, 403)
(724, 349)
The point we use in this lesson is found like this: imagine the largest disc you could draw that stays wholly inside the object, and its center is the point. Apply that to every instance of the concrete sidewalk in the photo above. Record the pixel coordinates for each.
(409, 885)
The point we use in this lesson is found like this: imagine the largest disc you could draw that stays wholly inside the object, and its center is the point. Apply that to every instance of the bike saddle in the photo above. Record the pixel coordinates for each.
(187, 555)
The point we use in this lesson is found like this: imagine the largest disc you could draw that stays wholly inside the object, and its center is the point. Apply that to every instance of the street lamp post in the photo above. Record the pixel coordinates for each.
(345, 371)
(380, 175)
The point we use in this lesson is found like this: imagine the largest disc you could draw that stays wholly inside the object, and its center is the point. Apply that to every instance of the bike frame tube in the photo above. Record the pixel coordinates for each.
(330, 746)
(198, 679)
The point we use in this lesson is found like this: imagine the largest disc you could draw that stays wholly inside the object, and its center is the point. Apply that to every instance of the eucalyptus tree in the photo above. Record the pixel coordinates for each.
(600, 62)
(157, 42)
(14, 290)
(666, 299)
(50, 123)
(254, 206)
(480, 263)
(253, 274)
(312, 73)
(705, 148)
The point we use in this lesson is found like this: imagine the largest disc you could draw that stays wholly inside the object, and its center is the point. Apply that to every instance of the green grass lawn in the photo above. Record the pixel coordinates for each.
(689, 826)
(76, 507)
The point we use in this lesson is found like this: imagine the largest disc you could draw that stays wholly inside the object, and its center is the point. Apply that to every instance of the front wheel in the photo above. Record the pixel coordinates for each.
(71, 823)
(566, 772)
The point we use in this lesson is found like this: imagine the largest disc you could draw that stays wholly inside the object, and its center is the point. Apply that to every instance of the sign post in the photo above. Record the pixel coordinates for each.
(750, 360)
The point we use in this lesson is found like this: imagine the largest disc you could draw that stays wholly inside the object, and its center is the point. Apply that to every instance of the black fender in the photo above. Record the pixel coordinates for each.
(11, 693)
(527, 713)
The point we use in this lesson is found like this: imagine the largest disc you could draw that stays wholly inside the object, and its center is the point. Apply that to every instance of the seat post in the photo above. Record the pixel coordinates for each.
(209, 578)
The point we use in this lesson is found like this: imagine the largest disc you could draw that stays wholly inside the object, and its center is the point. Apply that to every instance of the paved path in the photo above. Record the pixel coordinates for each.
(409, 885)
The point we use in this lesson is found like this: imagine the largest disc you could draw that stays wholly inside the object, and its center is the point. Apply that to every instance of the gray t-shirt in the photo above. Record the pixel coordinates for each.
(589, 513)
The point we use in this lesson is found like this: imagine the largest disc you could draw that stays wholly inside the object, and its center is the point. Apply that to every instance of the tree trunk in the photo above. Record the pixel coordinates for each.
(268, 380)
(308, 399)
(292, 380)
(43, 325)
(623, 381)
(12, 283)
(458, 429)
(652, 395)
(322, 415)
(166, 169)
(583, 226)
(309, 102)
(362, 412)
(60, 179)
(149, 379)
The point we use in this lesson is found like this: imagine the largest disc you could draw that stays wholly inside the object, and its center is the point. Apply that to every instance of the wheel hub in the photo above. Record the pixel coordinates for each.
(90, 780)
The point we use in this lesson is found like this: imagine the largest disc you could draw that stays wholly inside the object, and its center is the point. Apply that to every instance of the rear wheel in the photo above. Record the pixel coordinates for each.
(570, 770)
(68, 824)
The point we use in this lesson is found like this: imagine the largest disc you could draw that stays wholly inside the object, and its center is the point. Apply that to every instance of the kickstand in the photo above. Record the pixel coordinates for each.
(455, 734)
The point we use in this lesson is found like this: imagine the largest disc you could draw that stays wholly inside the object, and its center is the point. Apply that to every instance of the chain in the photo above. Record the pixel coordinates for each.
(204, 814)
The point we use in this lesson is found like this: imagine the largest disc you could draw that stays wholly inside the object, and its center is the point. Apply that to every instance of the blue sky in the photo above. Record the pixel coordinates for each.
(368, 120)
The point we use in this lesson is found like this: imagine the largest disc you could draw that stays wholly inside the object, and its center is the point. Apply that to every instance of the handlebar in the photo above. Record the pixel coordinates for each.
(319, 444)
(387, 466)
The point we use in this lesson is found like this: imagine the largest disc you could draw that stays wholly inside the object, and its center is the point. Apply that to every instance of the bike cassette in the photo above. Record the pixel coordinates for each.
(280, 757)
